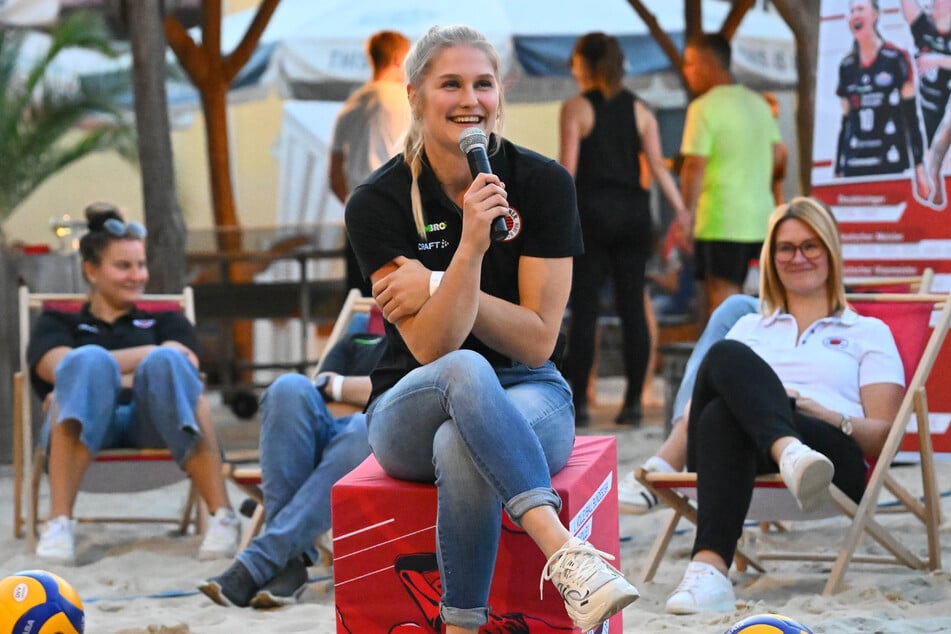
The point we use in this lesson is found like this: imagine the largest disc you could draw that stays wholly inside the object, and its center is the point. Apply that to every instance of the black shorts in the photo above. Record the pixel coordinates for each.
(725, 260)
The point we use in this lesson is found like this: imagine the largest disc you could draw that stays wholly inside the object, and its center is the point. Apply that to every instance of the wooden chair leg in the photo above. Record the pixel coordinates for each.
(18, 520)
(33, 512)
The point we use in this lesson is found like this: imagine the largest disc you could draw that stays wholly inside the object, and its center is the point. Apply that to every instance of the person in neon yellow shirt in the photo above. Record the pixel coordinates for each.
(731, 142)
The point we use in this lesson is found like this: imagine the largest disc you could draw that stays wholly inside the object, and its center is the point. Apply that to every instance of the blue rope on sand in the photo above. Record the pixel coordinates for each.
(171, 594)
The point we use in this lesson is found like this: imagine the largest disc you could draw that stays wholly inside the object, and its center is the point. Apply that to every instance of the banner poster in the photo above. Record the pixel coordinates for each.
(882, 133)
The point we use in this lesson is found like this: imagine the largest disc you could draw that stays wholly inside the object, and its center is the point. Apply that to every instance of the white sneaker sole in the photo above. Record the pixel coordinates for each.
(604, 603)
(814, 483)
(642, 507)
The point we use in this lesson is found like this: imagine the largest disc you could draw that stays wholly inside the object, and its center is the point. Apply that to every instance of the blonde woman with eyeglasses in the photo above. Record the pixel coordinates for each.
(805, 388)
(115, 376)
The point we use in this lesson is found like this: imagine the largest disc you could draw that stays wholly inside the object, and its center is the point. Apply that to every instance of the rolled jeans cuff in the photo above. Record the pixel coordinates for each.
(467, 618)
(527, 500)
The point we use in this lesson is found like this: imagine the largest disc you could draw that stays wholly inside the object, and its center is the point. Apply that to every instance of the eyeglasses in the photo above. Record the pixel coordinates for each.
(810, 249)
(121, 229)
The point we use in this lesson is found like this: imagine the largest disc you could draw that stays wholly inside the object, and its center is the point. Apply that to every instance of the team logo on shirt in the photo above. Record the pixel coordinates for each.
(143, 323)
(88, 328)
(836, 343)
(513, 220)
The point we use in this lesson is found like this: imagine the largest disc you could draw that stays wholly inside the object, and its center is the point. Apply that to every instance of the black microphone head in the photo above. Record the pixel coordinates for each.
(471, 138)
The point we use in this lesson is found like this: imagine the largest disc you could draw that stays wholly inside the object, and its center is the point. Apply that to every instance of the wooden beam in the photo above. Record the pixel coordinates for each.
(732, 20)
(658, 33)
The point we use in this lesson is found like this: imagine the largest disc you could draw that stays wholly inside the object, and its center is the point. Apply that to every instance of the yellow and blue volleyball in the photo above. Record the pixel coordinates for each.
(39, 602)
(768, 624)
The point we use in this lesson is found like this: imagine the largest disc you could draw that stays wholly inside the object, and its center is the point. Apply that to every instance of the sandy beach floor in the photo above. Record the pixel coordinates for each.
(137, 579)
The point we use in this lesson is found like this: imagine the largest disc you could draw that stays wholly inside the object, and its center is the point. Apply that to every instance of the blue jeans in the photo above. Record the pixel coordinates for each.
(720, 322)
(304, 451)
(487, 438)
(165, 392)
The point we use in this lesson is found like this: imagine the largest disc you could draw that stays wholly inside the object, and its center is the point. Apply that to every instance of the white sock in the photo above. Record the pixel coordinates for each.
(658, 465)
(796, 446)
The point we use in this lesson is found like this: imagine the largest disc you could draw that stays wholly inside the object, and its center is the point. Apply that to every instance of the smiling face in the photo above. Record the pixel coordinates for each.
(862, 17)
(460, 90)
(119, 278)
(800, 275)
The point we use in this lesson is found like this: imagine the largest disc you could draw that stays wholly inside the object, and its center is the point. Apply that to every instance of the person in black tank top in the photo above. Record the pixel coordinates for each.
(606, 133)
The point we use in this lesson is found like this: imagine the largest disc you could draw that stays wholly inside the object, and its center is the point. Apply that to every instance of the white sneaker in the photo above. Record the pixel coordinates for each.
(325, 547)
(222, 537)
(593, 590)
(807, 474)
(633, 498)
(703, 589)
(57, 544)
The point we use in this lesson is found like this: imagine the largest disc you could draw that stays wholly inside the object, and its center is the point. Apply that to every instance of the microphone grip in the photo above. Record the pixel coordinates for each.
(479, 164)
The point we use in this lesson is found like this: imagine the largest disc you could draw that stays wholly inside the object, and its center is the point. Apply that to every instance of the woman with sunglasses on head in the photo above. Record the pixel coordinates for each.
(115, 376)
(467, 394)
(805, 388)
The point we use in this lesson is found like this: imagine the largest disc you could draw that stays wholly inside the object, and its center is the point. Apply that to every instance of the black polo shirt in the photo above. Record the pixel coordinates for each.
(543, 223)
(136, 328)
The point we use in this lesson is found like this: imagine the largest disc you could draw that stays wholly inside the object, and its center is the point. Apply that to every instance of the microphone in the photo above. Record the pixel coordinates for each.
(473, 142)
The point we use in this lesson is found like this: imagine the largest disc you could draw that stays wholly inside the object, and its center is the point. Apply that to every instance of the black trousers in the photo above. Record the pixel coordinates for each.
(739, 408)
(625, 265)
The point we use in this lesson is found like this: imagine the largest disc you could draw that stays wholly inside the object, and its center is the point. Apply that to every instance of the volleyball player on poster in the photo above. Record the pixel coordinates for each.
(881, 130)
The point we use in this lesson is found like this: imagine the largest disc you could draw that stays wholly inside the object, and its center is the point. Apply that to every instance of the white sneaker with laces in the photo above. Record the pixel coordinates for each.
(57, 543)
(222, 537)
(703, 589)
(807, 474)
(593, 590)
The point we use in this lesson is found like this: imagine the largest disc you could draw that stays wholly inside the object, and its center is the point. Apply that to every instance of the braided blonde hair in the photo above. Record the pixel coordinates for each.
(418, 63)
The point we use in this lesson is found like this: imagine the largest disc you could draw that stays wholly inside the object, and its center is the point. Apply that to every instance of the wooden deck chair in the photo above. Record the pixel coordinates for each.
(247, 476)
(113, 470)
(908, 316)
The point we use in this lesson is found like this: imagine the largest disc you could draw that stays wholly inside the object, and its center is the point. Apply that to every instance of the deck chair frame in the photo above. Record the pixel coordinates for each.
(29, 461)
(674, 488)
(248, 476)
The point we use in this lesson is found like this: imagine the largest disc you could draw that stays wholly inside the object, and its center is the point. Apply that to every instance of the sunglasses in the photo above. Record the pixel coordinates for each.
(121, 229)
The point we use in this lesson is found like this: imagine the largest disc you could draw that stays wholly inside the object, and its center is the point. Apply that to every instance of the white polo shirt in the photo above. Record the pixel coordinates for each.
(832, 360)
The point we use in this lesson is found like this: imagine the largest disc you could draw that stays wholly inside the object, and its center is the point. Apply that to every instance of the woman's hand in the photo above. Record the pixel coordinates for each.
(483, 202)
(403, 291)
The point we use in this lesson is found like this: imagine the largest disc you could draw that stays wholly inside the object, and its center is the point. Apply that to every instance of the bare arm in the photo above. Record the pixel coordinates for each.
(338, 180)
(529, 330)
(880, 402)
(650, 142)
(575, 122)
(402, 292)
(447, 318)
(779, 171)
(355, 390)
(911, 9)
(691, 185)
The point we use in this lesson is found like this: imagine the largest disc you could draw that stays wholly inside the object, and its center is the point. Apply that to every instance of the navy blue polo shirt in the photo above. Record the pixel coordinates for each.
(543, 223)
(72, 330)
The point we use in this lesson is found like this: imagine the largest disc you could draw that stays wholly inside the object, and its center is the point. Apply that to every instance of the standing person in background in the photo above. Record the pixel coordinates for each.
(467, 394)
(782, 154)
(603, 131)
(932, 34)
(730, 145)
(369, 127)
(881, 131)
